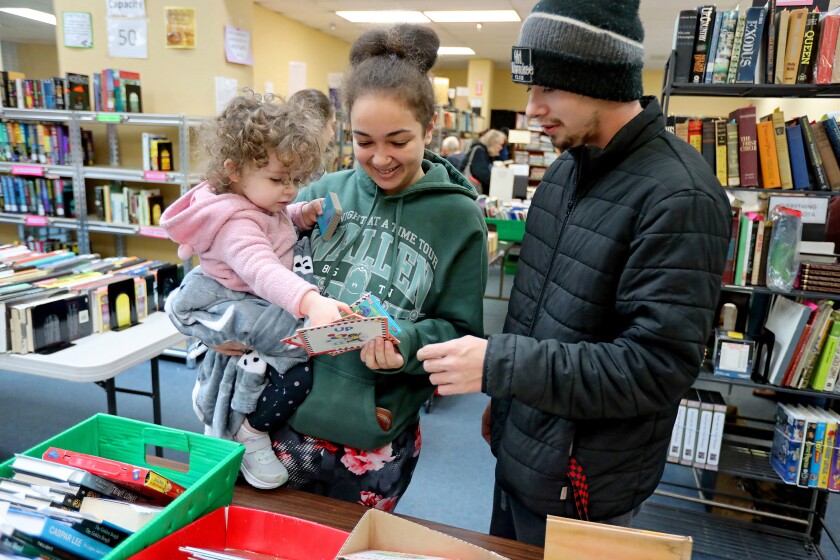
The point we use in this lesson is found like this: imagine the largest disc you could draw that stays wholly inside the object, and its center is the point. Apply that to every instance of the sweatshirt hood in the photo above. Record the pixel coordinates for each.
(194, 220)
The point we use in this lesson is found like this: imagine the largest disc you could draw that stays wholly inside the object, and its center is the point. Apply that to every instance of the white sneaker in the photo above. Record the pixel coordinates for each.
(260, 466)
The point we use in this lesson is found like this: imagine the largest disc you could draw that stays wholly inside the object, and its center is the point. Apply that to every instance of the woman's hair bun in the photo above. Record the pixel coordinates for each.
(416, 44)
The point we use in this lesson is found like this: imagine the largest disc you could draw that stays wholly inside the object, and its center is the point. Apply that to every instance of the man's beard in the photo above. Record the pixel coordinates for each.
(584, 135)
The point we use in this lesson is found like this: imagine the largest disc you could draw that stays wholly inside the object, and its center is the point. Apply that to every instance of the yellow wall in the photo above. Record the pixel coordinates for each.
(506, 94)
(482, 69)
(282, 40)
(457, 76)
(174, 80)
(37, 61)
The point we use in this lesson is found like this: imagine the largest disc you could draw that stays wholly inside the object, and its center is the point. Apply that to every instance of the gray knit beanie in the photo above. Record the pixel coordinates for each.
(590, 47)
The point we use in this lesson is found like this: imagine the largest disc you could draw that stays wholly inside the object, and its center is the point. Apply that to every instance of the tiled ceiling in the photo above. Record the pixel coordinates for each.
(493, 41)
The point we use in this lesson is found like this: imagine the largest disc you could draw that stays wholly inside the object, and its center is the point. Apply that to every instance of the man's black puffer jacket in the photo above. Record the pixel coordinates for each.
(616, 288)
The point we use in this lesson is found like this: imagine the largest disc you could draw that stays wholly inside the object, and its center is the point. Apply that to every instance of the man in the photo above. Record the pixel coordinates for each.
(616, 287)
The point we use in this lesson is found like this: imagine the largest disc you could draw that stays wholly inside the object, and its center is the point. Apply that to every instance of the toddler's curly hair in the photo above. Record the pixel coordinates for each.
(250, 127)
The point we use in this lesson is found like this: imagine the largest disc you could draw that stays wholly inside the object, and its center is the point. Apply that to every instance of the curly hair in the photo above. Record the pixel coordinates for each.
(395, 61)
(252, 126)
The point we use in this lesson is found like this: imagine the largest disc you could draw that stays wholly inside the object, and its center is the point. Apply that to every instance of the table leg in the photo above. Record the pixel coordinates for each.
(111, 392)
(155, 391)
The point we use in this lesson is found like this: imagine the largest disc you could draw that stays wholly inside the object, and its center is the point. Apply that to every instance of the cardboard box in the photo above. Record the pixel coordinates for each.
(377, 530)
(213, 468)
(254, 530)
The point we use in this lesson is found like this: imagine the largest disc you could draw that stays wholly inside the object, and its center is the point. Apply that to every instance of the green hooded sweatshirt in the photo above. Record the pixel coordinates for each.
(431, 280)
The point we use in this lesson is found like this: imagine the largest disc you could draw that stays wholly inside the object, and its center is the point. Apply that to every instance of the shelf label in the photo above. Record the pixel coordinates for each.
(155, 175)
(108, 117)
(38, 221)
(150, 231)
(34, 170)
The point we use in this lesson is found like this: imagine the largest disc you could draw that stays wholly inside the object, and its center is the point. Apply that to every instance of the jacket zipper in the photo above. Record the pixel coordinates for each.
(569, 207)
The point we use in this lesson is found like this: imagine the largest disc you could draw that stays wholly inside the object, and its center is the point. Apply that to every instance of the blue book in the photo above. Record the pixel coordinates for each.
(330, 216)
(53, 532)
(817, 453)
(751, 44)
(786, 453)
(832, 130)
(798, 163)
(713, 48)
(370, 306)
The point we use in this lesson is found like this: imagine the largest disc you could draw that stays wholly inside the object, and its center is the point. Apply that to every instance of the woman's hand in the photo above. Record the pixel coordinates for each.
(311, 210)
(381, 354)
(230, 348)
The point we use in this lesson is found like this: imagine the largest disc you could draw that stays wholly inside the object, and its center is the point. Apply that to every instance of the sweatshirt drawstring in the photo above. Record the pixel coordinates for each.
(394, 251)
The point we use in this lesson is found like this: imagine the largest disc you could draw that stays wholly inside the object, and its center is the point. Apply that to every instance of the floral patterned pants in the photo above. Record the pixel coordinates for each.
(376, 478)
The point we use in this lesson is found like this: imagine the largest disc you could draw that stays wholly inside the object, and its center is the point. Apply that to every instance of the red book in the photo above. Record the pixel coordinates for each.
(145, 482)
(825, 52)
(747, 145)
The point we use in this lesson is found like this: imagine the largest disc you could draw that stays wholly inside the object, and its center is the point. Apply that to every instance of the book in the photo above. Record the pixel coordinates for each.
(164, 160)
(829, 161)
(770, 25)
(796, 150)
(144, 481)
(712, 49)
(704, 428)
(78, 86)
(716, 432)
(828, 449)
(777, 117)
(793, 48)
(53, 532)
(812, 154)
(341, 336)
(729, 268)
(726, 39)
(786, 320)
(768, 159)
(128, 516)
(827, 48)
(747, 145)
(708, 141)
(736, 48)
(62, 473)
(720, 151)
(788, 436)
(685, 27)
(675, 447)
(748, 67)
(809, 44)
(692, 418)
(134, 96)
(369, 306)
(732, 171)
(330, 215)
(702, 38)
(122, 304)
(782, 19)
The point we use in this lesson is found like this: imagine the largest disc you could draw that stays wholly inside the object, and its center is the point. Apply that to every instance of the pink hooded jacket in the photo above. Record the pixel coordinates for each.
(243, 247)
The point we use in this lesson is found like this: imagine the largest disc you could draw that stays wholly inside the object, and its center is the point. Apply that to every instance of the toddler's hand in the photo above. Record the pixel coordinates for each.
(322, 310)
(311, 210)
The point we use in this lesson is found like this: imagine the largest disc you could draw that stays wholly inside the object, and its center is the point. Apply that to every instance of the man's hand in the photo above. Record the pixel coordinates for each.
(455, 366)
(311, 210)
(381, 354)
(486, 424)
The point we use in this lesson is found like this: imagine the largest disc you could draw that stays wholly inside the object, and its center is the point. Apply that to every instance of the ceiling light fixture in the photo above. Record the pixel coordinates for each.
(448, 51)
(472, 16)
(383, 16)
(29, 13)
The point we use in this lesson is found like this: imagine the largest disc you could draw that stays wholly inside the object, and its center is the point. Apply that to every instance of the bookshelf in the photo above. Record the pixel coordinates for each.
(456, 122)
(747, 456)
(83, 224)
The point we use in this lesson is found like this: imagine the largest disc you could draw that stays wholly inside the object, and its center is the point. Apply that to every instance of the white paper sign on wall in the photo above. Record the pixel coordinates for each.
(127, 38)
(78, 30)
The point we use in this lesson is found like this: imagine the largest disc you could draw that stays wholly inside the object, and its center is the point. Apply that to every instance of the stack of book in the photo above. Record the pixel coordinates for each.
(157, 153)
(771, 153)
(47, 301)
(73, 505)
(116, 90)
(759, 44)
(805, 446)
(697, 437)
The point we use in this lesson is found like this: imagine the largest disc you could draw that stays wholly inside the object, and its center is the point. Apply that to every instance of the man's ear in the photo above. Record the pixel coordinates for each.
(230, 169)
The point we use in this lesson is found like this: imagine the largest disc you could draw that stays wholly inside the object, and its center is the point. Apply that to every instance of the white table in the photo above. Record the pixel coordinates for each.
(99, 358)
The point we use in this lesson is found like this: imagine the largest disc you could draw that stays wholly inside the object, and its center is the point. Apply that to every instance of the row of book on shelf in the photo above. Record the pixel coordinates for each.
(765, 43)
(497, 209)
(42, 143)
(37, 196)
(772, 153)
(805, 446)
(697, 437)
(113, 90)
(71, 505)
(118, 204)
(47, 301)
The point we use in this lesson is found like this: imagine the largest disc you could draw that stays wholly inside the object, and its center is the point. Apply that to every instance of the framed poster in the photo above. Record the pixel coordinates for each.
(180, 27)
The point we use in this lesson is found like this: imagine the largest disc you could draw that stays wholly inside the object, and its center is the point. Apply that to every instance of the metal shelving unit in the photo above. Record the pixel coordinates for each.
(79, 172)
(722, 537)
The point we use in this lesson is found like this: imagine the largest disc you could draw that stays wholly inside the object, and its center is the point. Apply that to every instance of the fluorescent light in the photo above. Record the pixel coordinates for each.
(472, 16)
(28, 13)
(383, 16)
(444, 51)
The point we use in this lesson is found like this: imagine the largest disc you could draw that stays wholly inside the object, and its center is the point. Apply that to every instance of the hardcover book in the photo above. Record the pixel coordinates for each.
(122, 304)
(793, 49)
(777, 117)
(330, 215)
(736, 48)
(829, 161)
(147, 482)
(812, 154)
(747, 145)
(684, 45)
(53, 532)
(796, 150)
(748, 71)
(78, 86)
(767, 157)
(702, 37)
(729, 21)
(809, 45)
(341, 336)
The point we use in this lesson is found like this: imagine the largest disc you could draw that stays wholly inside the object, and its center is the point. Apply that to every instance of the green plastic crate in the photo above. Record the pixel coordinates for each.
(213, 468)
(508, 230)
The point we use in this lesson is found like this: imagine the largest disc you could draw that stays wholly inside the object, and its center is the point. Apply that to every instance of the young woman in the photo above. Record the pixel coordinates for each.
(412, 235)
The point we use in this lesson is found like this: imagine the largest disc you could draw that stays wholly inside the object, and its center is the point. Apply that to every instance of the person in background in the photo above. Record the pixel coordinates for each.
(318, 102)
(243, 225)
(450, 148)
(412, 235)
(479, 158)
(504, 153)
(616, 291)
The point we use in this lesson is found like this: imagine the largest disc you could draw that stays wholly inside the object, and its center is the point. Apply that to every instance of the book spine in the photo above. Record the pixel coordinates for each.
(826, 49)
(732, 142)
(832, 170)
(720, 151)
(796, 32)
(816, 454)
(832, 131)
(770, 60)
(828, 454)
(735, 58)
(833, 370)
(809, 42)
(708, 142)
(770, 176)
(750, 46)
(40, 547)
(807, 452)
(716, 433)
(796, 149)
(684, 45)
(782, 155)
(812, 154)
(747, 147)
(705, 27)
(724, 52)
(692, 418)
(713, 48)
(729, 268)
(674, 450)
